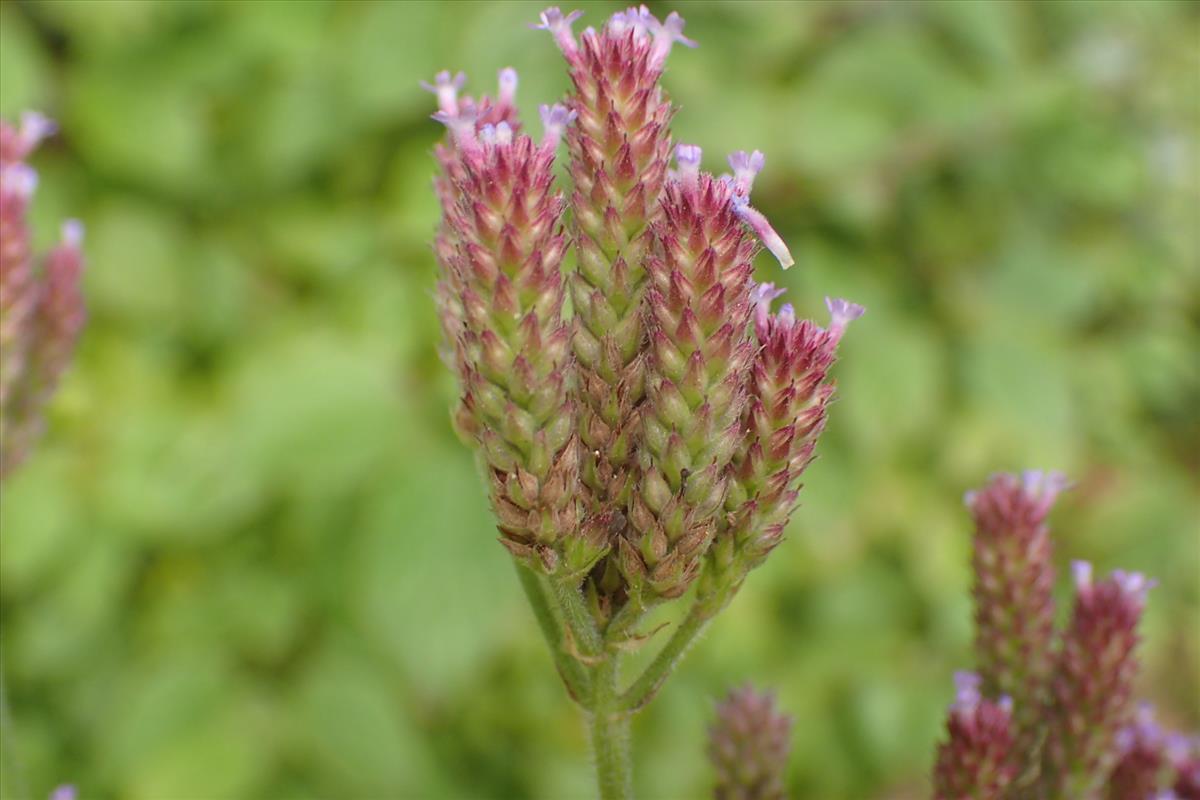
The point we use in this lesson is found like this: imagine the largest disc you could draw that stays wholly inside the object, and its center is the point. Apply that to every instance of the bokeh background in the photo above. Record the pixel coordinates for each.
(251, 560)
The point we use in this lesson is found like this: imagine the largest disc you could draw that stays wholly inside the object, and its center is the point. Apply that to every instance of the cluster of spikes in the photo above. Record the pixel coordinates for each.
(1050, 714)
(41, 307)
(643, 419)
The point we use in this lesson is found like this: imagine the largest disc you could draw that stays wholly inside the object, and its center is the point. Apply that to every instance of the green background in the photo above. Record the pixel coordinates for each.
(251, 559)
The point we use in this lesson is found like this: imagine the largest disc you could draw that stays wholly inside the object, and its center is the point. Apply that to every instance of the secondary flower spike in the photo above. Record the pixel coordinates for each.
(1013, 587)
(698, 315)
(976, 761)
(789, 393)
(1093, 683)
(619, 145)
(748, 746)
(501, 253)
(1141, 756)
(41, 306)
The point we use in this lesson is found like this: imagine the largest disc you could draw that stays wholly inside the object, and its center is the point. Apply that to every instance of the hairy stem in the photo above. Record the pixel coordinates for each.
(581, 626)
(573, 674)
(610, 734)
(646, 686)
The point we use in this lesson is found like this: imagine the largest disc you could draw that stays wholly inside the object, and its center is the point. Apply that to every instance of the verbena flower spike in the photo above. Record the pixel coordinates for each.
(1014, 583)
(1067, 696)
(1092, 688)
(748, 747)
(669, 415)
(41, 307)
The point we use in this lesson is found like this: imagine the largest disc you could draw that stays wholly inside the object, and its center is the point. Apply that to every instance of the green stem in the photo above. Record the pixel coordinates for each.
(573, 674)
(580, 623)
(643, 690)
(10, 762)
(610, 734)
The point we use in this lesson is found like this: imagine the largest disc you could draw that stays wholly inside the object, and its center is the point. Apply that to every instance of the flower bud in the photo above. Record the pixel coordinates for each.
(1092, 683)
(1183, 753)
(1013, 586)
(1141, 757)
(748, 745)
(975, 762)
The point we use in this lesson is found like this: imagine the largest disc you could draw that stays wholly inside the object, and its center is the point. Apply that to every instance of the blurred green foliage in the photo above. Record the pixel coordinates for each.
(251, 560)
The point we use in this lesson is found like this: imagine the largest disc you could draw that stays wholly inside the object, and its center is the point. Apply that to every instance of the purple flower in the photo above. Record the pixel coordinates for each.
(762, 229)
(841, 313)
(746, 167)
(507, 92)
(447, 88)
(688, 156)
(761, 296)
(665, 35)
(555, 120)
(560, 28)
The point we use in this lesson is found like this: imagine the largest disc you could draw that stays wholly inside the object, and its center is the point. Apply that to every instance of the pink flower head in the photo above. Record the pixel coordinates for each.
(1031, 494)
(841, 312)
(555, 120)
(64, 792)
(745, 167)
(446, 88)
(762, 228)
(507, 92)
(560, 28)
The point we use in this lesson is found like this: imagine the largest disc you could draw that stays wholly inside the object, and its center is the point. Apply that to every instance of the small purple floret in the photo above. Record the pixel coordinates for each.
(446, 87)
(966, 692)
(746, 167)
(555, 120)
(667, 34)
(507, 92)
(552, 20)
(1081, 573)
(18, 179)
(762, 228)
(842, 313)
(72, 233)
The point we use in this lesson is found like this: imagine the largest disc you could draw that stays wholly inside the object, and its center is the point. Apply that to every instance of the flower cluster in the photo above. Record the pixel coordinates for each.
(669, 415)
(41, 307)
(748, 746)
(644, 419)
(1066, 705)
